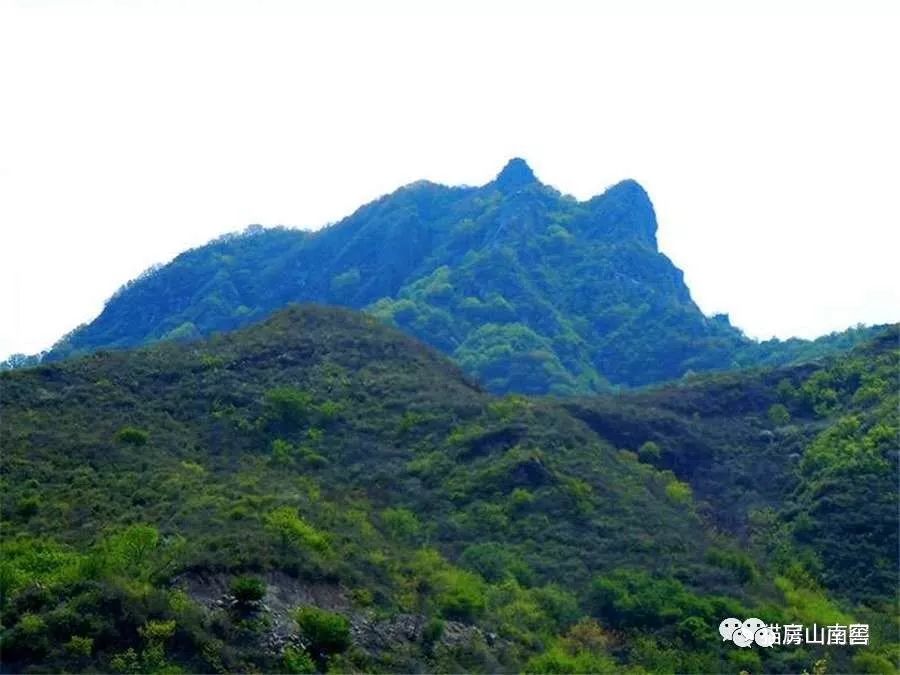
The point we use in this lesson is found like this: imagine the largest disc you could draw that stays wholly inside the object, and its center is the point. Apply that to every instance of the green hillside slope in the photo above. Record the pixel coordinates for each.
(320, 491)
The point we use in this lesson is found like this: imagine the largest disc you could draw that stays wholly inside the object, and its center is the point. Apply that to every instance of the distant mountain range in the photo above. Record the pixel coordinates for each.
(527, 289)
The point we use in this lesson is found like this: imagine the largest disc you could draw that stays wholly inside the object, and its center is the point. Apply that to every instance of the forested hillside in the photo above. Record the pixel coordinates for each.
(320, 491)
(527, 289)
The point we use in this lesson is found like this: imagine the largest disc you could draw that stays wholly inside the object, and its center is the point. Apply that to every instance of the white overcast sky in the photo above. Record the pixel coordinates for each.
(765, 132)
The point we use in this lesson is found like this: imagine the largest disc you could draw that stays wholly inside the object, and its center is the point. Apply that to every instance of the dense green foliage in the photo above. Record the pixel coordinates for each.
(527, 289)
(395, 517)
(812, 447)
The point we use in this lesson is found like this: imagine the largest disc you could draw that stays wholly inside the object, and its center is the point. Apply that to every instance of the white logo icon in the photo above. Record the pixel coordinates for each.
(727, 628)
(753, 630)
(746, 633)
(751, 626)
(765, 637)
(740, 639)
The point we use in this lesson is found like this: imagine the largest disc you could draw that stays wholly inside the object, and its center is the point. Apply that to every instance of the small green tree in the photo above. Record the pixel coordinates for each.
(135, 552)
(131, 551)
(779, 415)
(292, 530)
(785, 390)
(649, 453)
(494, 562)
(132, 436)
(157, 632)
(79, 646)
(433, 631)
(329, 411)
(282, 452)
(127, 662)
(287, 407)
(247, 590)
(560, 658)
(678, 491)
(459, 594)
(31, 629)
(401, 524)
(297, 662)
(153, 657)
(328, 633)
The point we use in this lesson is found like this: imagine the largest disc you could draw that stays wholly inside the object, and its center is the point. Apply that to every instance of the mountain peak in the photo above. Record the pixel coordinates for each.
(516, 174)
(625, 209)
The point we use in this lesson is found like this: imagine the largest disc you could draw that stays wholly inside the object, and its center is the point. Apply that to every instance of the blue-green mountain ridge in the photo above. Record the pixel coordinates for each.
(527, 289)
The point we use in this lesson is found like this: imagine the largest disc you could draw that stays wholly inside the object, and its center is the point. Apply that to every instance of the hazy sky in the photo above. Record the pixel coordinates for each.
(765, 132)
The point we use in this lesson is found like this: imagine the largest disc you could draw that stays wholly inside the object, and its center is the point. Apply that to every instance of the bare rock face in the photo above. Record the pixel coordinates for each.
(284, 594)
